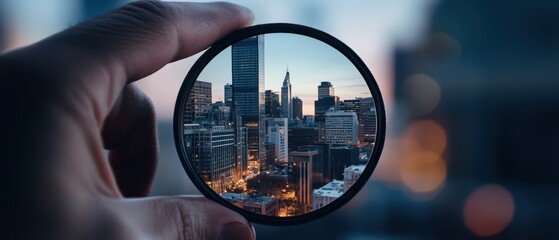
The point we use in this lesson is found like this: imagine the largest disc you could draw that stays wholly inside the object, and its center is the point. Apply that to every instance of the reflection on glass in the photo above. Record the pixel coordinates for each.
(281, 128)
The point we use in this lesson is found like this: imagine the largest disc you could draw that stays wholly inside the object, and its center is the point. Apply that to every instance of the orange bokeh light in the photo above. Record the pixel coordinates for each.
(488, 210)
(423, 171)
(425, 135)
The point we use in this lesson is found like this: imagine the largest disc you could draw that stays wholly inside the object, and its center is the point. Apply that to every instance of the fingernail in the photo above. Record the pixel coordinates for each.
(236, 231)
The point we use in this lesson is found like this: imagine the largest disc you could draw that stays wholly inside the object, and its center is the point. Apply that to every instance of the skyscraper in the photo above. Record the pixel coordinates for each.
(272, 108)
(302, 176)
(200, 97)
(286, 104)
(297, 108)
(367, 120)
(228, 94)
(247, 57)
(325, 89)
(277, 133)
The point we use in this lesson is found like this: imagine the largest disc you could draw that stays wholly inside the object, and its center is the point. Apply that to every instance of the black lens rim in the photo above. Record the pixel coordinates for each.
(238, 35)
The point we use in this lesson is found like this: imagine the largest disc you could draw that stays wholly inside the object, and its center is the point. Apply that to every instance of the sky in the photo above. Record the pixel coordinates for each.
(309, 61)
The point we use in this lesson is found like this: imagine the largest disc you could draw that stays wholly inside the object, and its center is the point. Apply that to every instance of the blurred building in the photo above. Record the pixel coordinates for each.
(263, 205)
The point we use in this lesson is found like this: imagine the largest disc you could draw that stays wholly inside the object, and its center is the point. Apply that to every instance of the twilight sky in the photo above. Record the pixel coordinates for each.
(310, 61)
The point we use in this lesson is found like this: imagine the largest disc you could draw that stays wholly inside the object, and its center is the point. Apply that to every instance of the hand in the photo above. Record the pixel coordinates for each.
(70, 96)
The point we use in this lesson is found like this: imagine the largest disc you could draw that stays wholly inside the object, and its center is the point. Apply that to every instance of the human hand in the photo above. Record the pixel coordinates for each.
(71, 96)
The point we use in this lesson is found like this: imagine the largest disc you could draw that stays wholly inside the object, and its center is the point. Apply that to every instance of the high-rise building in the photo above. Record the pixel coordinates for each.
(325, 89)
(228, 94)
(272, 104)
(322, 165)
(341, 158)
(297, 108)
(196, 105)
(302, 176)
(321, 106)
(214, 153)
(277, 133)
(367, 120)
(248, 93)
(351, 105)
(341, 128)
(286, 104)
(301, 137)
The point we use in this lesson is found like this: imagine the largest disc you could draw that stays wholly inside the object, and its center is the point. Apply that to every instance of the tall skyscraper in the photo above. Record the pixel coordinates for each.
(196, 105)
(286, 104)
(248, 92)
(325, 89)
(297, 108)
(228, 94)
(272, 104)
(341, 128)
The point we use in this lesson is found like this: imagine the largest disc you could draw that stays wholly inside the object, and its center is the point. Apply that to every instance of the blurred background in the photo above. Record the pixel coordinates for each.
(472, 97)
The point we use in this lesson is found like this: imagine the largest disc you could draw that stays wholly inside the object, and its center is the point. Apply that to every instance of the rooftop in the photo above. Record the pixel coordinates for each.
(331, 189)
(240, 197)
(355, 168)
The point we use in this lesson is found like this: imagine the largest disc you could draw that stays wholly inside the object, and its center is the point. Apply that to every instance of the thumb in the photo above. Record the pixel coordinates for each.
(183, 217)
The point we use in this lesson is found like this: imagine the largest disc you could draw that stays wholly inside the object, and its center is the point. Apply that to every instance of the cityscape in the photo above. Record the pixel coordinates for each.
(259, 148)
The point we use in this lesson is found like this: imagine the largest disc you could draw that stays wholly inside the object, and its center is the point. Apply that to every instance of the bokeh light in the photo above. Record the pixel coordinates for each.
(488, 210)
(425, 135)
(423, 171)
(422, 94)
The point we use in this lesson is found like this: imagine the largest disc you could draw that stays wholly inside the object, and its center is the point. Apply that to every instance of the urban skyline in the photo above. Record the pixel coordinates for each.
(321, 63)
(260, 152)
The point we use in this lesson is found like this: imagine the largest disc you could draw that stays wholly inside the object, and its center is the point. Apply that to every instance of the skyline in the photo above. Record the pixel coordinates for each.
(283, 52)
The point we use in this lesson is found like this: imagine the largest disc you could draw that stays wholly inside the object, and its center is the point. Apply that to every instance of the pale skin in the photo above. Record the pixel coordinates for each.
(71, 96)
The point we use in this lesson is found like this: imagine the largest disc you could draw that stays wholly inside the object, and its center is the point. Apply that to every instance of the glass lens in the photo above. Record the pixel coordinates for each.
(279, 124)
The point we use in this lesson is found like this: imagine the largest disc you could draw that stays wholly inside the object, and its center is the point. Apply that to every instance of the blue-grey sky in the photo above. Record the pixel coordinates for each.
(310, 62)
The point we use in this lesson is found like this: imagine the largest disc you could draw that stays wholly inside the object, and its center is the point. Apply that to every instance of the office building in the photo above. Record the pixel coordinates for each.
(228, 94)
(351, 174)
(248, 93)
(214, 156)
(327, 194)
(297, 108)
(324, 104)
(341, 128)
(272, 104)
(277, 133)
(200, 97)
(301, 162)
(367, 120)
(325, 89)
(341, 158)
(286, 104)
(301, 136)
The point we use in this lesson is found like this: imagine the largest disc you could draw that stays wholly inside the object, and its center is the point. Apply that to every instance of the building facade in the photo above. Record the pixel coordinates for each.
(297, 108)
(341, 128)
(325, 89)
(199, 99)
(248, 93)
(286, 104)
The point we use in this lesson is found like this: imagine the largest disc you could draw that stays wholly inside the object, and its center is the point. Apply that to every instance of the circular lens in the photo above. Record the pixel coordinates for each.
(279, 122)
